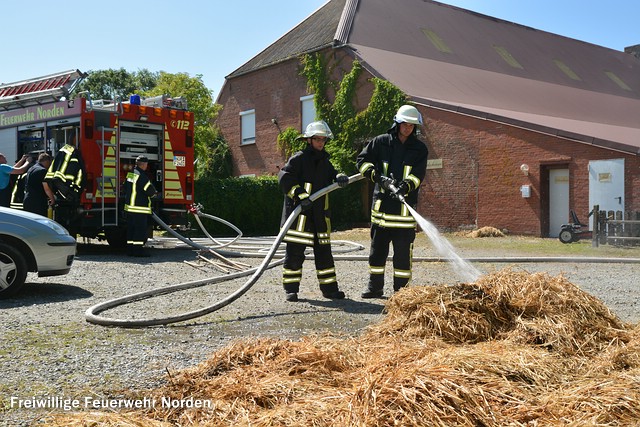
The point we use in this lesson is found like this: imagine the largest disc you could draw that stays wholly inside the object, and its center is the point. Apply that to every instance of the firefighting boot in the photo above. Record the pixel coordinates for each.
(375, 287)
(330, 290)
(397, 284)
(291, 283)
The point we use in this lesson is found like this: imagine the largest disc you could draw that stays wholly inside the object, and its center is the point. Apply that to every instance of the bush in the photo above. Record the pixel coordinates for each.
(254, 205)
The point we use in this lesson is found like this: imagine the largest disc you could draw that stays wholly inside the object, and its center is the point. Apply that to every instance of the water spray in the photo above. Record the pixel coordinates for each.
(466, 271)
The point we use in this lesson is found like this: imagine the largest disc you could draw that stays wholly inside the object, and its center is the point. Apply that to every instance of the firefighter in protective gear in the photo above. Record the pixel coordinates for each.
(138, 193)
(66, 175)
(306, 172)
(66, 178)
(396, 162)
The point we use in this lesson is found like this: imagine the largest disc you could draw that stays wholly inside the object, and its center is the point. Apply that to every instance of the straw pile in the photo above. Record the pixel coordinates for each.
(512, 349)
(486, 232)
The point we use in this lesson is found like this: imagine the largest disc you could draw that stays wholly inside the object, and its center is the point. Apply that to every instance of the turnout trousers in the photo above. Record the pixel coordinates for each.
(136, 232)
(325, 268)
(402, 240)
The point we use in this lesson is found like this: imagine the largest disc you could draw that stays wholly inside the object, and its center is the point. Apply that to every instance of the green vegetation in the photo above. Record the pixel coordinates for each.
(334, 103)
(255, 205)
(211, 150)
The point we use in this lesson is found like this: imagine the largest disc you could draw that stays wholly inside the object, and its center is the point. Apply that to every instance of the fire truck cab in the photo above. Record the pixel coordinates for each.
(37, 116)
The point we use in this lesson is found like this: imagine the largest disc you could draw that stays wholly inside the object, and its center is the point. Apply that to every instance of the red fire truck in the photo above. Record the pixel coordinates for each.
(37, 116)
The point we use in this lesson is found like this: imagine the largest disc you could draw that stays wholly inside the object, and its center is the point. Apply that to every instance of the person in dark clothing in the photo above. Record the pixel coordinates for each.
(17, 193)
(37, 193)
(66, 174)
(138, 193)
(66, 178)
(308, 171)
(6, 171)
(396, 161)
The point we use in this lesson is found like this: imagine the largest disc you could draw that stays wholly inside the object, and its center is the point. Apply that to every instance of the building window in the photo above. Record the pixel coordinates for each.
(248, 127)
(617, 80)
(308, 108)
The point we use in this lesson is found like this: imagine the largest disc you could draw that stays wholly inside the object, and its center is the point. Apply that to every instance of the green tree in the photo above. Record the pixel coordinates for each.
(211, 150)
(212, 153)
(111, 84)
(291, 141)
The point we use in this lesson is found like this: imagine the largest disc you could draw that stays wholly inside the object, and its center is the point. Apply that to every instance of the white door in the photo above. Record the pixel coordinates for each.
(606, 185)
(558, 200)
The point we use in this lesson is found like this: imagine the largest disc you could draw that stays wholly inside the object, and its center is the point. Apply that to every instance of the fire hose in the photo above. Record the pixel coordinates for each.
(92, 313)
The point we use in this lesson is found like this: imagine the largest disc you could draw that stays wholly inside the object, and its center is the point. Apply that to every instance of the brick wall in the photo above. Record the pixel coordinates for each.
(274, 93)
(485, 188)
(478, 180)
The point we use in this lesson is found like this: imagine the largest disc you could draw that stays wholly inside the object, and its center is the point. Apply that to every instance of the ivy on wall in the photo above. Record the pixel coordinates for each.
(351, 129)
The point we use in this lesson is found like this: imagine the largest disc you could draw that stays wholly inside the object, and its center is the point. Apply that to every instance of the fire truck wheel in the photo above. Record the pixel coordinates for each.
(13, 270)
(116, 237)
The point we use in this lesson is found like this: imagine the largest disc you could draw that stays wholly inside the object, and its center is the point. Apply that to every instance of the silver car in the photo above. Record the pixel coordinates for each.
(31, 243)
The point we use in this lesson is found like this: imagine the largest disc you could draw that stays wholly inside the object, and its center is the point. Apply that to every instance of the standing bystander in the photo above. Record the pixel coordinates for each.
(6, 171)
(138, 193)
(38, 196)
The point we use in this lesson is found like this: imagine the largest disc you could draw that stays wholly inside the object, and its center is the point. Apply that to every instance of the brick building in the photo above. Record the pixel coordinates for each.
(522, 125)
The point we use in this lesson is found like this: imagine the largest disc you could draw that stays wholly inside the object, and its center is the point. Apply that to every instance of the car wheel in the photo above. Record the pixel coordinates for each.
(566, 236)
(13, 270)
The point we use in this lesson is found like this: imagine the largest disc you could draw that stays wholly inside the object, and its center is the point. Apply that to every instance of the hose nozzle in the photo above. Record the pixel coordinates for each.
(396, 193)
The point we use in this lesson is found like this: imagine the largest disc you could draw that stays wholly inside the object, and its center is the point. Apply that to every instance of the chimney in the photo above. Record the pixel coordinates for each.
(634, 50)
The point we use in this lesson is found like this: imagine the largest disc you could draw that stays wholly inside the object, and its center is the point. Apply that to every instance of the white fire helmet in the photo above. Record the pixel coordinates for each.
(320, 128)
(408, 114)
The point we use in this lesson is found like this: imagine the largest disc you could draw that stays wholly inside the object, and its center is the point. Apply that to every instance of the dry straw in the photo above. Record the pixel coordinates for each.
(486, 232)
(512, 349)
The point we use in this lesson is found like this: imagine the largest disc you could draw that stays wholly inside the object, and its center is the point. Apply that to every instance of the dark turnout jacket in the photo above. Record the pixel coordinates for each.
(385, 155)
(305, 173)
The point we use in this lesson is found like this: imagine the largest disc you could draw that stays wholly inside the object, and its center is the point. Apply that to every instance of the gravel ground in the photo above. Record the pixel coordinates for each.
(50, 351)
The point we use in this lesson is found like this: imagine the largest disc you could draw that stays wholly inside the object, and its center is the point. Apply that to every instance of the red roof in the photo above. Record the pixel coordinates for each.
(454, 59)
(462, 61)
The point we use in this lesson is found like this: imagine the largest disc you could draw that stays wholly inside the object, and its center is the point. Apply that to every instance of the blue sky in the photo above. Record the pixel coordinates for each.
(214, 37)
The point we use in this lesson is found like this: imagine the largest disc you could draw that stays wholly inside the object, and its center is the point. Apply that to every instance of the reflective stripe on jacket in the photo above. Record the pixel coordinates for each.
(138, 192)
(385, 155)
(68, 167)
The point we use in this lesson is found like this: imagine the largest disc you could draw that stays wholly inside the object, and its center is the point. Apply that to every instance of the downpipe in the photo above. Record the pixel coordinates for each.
(92, 313)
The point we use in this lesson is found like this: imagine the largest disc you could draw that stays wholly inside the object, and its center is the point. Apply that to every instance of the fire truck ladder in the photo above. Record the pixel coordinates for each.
(109, 182)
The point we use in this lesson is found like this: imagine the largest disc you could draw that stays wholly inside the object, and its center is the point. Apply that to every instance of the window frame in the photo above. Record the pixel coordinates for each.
(245, 138)
(304, 119)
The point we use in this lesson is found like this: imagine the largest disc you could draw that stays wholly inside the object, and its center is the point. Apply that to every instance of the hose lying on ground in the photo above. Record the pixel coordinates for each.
(91, 315)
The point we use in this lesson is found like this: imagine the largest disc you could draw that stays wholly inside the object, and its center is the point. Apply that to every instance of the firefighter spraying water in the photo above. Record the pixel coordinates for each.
(95, 144)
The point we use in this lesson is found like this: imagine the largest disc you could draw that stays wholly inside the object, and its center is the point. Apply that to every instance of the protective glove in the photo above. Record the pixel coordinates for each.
(342, 180)
(386, 183)
(306, 204)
